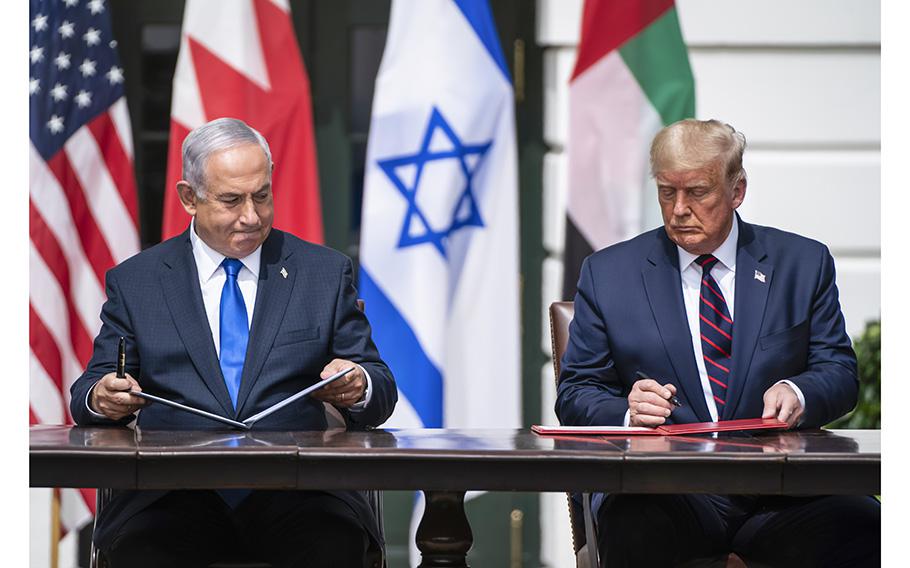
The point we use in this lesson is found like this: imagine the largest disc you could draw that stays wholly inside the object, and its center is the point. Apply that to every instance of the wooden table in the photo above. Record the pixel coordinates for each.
(446, 463)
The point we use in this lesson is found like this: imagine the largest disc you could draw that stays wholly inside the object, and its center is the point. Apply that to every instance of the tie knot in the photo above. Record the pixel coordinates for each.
(232, 267)
(707, 262)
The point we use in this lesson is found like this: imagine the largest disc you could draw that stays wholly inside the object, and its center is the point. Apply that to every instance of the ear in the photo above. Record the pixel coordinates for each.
(739, 191)
(188, 197)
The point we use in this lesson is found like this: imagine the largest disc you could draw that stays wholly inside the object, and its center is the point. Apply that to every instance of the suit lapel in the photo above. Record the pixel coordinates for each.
(276, 280)
(662, 284)
(180, 282)
(753, 282)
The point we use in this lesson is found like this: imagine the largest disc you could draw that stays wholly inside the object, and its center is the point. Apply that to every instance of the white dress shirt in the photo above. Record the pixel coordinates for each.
(211, 281)
(724, 273)
(212, 278)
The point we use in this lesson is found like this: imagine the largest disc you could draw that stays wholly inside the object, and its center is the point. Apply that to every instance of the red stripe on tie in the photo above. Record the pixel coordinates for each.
(719, 366)
(716, 293)
(720, 401)
(714, 345)
(719, 330)
(728, 320)
(712, 379)
(706, 261)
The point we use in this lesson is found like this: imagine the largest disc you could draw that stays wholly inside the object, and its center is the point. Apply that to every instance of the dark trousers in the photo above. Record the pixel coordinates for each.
(283, 528)
(774, 531)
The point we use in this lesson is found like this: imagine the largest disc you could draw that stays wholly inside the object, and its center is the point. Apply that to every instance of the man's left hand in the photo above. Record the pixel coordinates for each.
(346, 391)
(782, 403)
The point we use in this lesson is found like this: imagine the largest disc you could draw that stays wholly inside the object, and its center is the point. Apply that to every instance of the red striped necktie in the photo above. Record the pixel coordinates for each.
(716, 331)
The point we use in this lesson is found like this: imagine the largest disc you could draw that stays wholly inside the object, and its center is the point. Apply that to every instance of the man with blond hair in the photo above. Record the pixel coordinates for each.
(736, 321)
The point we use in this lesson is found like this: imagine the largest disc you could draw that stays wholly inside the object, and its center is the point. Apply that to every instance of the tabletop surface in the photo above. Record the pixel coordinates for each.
(811, 461)
(846, 443)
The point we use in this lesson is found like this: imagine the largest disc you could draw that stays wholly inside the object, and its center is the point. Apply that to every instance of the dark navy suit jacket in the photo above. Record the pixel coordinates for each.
(300, 323)
(630, 316)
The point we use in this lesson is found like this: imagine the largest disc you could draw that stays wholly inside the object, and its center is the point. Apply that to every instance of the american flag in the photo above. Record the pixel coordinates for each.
(83, 214)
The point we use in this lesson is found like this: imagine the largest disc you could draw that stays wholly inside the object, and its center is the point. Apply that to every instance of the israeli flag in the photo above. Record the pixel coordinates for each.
(439, 233)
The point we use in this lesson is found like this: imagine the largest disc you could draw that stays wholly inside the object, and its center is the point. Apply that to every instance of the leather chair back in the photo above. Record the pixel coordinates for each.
(561, 314)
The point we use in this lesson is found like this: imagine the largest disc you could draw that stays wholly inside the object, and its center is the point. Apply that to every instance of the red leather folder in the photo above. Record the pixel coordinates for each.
(667, 430)
(723, 426)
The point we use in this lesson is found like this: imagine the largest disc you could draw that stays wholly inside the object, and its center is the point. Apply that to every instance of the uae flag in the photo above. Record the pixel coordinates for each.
(240, 59)
(631, 78)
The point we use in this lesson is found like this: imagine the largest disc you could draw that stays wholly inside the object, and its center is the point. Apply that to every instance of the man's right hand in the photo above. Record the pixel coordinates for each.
(110, 396)
(648, 404)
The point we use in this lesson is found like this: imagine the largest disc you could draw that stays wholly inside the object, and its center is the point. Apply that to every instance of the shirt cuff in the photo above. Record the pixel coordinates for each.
(799, 394)
(94, 414)
(367, 394)
(625, 421)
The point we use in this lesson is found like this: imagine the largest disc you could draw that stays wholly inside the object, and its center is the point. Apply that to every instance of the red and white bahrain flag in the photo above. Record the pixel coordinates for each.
(631, 78)
(83, 215)
(240, 59)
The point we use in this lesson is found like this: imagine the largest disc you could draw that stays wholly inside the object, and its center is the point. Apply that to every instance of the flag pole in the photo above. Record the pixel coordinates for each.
(55, 528)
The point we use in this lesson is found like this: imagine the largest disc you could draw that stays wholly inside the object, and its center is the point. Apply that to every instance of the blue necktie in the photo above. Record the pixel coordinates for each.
(235, 330)
(235, 334)
(716, 332)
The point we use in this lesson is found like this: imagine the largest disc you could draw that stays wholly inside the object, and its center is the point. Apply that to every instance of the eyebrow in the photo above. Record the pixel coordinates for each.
(233, 194)
(695, 185)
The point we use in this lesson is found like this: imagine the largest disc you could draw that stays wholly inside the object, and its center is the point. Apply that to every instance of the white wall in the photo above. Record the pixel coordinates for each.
(802, 81)
(39, 540)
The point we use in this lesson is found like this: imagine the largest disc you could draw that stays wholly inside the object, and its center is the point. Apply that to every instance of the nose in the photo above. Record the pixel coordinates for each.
(681, 204)
(248, 214)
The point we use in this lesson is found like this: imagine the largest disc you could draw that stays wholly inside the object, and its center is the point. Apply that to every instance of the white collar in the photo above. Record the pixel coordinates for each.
(208, 260)
(725, 253)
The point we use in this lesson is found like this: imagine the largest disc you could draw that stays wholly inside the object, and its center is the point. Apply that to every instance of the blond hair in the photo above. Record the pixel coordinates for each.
(691, 144)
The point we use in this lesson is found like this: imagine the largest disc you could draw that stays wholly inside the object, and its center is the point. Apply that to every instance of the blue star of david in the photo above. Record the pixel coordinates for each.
(465, 213)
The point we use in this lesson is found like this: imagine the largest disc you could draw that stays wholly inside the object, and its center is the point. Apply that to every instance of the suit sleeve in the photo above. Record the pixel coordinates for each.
(115, 323)
(589, 392)
(829, 384)
(352, 340)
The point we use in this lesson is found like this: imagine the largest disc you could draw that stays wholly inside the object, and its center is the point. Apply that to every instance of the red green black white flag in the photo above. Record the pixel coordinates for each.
(631, 78)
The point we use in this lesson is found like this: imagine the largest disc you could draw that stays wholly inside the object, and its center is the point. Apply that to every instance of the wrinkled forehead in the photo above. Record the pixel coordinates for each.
(247, 160)
(695, 172)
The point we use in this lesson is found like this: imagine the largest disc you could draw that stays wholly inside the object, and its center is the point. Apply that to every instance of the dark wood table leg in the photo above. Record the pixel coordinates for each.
(444, 534)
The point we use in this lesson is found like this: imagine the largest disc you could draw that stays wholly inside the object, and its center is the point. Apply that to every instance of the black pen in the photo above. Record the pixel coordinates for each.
(121, 359)
(672, 399)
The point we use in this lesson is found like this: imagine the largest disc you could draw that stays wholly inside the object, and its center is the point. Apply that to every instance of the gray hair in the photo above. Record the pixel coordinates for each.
(691, 144)
(219, 134)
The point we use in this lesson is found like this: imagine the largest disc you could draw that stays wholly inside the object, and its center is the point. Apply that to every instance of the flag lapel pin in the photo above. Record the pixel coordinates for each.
(284, 272)
(760, 276)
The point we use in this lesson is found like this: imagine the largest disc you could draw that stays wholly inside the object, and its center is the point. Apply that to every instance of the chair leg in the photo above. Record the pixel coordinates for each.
(102, 497)
(590, 536)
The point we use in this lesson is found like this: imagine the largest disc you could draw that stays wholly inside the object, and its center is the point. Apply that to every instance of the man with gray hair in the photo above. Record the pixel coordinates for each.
(734, 320)
(230, 317)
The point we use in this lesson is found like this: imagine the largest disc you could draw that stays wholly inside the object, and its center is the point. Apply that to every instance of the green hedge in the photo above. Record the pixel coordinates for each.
(868, 411)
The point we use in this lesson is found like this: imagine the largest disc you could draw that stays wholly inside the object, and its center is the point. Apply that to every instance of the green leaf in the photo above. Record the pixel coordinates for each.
(868, 411)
